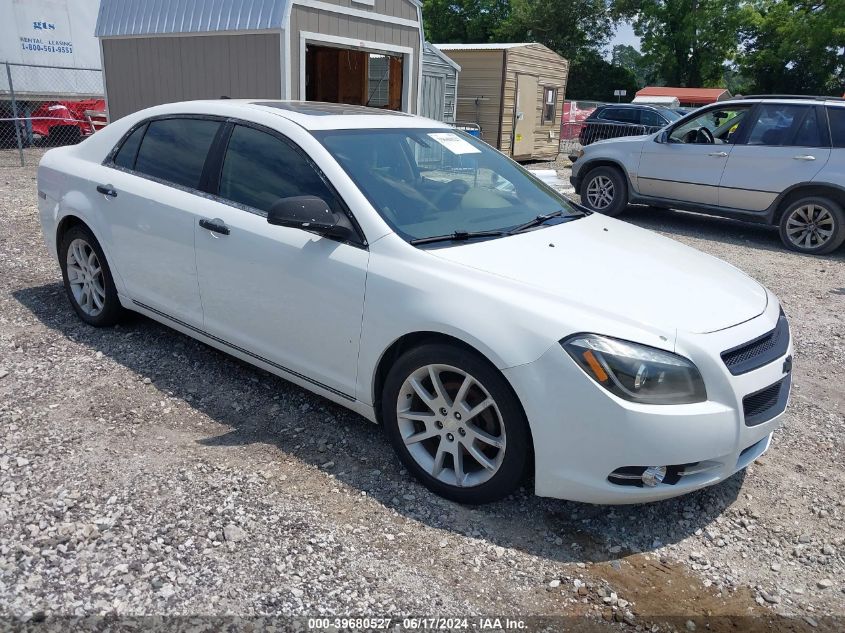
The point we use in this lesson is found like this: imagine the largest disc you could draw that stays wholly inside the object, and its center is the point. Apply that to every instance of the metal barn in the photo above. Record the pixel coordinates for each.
(361, 52)
(515, 93)
(438, 91)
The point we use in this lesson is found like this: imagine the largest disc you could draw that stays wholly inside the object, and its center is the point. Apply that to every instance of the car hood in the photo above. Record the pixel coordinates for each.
(639, 138)
(610, 267)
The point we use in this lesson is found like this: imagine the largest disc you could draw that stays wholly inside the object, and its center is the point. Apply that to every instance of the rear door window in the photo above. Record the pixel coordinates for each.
(652, 119)
(785, 125)
(175, 150)
(621, 115)
(125, 156)
(836, 116)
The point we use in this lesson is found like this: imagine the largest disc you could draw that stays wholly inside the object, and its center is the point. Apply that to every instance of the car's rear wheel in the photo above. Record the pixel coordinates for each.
(605, 191)
(87, 278)
(813, 225)
(456, 424)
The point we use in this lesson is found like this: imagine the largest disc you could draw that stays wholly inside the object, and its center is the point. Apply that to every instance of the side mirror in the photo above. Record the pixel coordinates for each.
(308, 213)
(662, 137)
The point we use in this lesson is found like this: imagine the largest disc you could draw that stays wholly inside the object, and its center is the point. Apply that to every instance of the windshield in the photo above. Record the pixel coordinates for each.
(432, 182)
(673, 115)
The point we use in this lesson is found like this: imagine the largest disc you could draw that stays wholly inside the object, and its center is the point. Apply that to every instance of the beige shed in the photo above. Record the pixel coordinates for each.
(361, 52)
(515, 93)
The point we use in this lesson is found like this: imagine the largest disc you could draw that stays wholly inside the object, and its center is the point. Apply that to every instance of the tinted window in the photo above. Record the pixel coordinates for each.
(622, 115)
(651, 118)
(125, 156)
(175, 150)
(779, 124)
(809, 132)
(259, 169)
(837, 126)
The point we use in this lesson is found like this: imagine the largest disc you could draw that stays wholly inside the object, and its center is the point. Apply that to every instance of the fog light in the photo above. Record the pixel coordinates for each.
(653, 475)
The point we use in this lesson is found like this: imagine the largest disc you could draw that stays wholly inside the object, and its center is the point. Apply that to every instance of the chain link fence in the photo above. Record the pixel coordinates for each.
(578, 130)
(46, 106)
(577, 134)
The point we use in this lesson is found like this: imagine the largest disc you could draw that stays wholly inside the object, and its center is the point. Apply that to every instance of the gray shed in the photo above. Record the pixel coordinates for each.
(361, 52)
(438, 93)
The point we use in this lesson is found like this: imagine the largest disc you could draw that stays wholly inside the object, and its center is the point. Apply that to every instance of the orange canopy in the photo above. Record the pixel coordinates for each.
(692, 96)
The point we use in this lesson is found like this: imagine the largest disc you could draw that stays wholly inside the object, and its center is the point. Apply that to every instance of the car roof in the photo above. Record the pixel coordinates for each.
(802, 99)
(311, 115)
(655, 106)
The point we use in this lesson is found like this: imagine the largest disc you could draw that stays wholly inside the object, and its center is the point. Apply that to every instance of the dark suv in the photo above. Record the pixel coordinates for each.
(624, 119)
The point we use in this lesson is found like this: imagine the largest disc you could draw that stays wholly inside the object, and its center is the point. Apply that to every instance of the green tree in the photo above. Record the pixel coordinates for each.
(687, 41)
(593, 78)
(463, 21)
(568, 27)
(631, 59)
(793, 48)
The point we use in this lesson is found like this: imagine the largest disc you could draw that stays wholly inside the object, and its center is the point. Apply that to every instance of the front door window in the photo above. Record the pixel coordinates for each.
(716, 126)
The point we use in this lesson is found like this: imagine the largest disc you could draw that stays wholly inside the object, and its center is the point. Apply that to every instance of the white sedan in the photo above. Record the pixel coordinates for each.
(417, 276)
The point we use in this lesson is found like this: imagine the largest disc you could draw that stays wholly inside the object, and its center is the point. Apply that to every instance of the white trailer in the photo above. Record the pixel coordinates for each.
(49, 50)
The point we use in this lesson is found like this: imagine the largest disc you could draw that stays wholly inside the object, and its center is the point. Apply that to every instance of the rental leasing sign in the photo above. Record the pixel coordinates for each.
(49, 32)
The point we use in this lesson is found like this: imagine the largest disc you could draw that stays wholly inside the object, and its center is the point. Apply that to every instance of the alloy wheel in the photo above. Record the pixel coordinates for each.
(810, 226)
(85, 277)
(451, 425)
(600, 192)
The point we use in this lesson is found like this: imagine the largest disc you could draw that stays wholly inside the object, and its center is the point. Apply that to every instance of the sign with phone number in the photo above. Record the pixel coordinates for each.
(33, 44)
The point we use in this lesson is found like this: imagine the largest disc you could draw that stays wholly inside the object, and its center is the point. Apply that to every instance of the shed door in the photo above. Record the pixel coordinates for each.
(525, 117)
(433, 96)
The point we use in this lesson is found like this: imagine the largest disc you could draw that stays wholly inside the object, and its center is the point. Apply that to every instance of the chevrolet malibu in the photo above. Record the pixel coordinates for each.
(420, 278)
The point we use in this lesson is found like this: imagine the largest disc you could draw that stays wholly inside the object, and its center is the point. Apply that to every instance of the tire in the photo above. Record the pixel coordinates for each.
(812, 225)
(88, 284)
(492, 446)
(610, 191)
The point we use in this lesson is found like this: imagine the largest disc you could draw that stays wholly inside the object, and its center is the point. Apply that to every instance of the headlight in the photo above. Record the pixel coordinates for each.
(635, 372)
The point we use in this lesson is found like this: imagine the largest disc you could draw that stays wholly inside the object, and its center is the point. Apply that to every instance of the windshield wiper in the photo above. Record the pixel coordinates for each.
(457, 236)
(540, 219)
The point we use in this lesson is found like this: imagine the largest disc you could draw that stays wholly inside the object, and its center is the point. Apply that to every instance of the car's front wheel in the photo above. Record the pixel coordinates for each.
(87, 278)
(605, 191)
(813, 225)
(456, 424)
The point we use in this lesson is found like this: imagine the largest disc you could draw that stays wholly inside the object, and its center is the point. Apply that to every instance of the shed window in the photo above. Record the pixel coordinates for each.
(549, 105)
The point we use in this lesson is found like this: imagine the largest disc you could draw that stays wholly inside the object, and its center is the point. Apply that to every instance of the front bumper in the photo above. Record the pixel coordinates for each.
(576, 183)
(582, 434)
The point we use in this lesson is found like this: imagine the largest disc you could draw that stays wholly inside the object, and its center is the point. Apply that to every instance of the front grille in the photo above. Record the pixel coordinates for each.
(767, 403)
(760, 351)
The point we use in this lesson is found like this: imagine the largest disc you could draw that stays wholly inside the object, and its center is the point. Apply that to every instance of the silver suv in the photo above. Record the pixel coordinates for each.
(773, 160)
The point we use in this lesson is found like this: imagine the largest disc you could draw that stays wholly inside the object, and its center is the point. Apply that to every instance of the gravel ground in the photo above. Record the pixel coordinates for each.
(142, 472)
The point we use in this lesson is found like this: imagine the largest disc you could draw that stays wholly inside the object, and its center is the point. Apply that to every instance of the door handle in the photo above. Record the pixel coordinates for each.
(107, 190)
(215, 226)
(803, 157)
(718, 154)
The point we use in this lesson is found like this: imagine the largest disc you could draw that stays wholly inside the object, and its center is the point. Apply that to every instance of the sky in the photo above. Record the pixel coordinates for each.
(624, 35)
